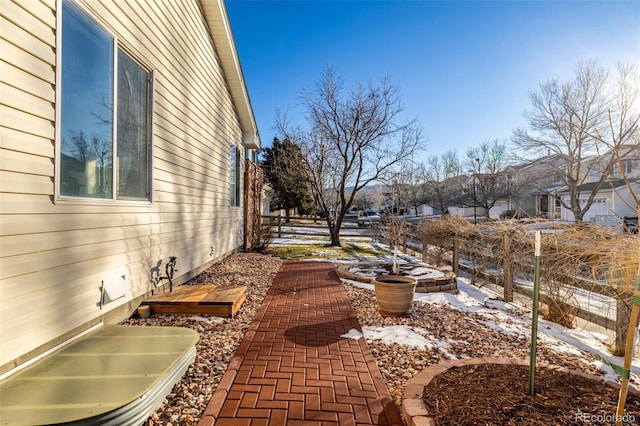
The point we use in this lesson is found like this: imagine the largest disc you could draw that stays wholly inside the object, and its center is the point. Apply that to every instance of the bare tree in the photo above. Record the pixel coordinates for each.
(410, 188)
(352, 140)
(441, 172)
(490, 180)
(363, 200)
(565, 120)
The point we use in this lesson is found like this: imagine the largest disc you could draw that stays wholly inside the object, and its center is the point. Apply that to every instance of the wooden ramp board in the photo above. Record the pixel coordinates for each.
(199, 299)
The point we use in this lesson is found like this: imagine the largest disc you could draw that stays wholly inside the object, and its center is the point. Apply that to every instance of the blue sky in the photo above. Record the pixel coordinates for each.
(464, 68)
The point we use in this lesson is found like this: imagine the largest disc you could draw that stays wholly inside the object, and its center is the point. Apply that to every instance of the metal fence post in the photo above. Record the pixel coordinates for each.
(280, 224)
(507, 272)
(456, 256)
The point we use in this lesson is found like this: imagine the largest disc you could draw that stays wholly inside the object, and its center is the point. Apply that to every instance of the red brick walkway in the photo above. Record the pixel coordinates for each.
(294, 368)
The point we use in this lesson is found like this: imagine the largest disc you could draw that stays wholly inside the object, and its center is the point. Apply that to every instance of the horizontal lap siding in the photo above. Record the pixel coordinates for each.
(54, 256)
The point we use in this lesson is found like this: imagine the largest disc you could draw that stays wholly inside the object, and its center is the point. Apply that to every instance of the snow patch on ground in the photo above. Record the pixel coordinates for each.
(508, 319)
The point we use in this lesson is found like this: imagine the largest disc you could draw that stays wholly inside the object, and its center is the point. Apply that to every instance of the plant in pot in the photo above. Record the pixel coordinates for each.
(394, 292)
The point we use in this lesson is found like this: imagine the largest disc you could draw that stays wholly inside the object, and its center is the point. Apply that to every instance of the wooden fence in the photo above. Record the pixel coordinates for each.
(500, 260)
(253, 182)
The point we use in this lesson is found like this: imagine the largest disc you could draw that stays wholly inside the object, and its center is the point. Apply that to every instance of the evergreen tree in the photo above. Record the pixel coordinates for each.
(283, 170)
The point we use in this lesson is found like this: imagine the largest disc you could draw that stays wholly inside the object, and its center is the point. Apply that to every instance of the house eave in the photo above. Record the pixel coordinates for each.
(215, 14)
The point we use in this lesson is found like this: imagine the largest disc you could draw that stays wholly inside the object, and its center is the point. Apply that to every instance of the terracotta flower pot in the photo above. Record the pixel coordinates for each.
(394, 293)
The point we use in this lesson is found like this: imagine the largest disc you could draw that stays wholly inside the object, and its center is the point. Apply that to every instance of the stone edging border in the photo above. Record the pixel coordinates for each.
(448, 287)
(343, 272)
(415, 413)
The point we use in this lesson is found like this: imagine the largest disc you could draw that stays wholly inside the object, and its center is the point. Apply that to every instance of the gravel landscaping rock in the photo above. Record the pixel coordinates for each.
(219, 337)
(454, 335)
(467, 335)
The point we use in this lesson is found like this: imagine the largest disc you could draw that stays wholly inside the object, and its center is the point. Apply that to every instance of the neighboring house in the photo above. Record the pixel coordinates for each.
(124, 128)
(612, 203)
(540, 189)
(536, 181)
(629, 162)
(425, 210)
(445, 195)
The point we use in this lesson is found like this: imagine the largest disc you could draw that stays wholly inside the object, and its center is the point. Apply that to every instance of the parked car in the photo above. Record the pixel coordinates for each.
(631, 224)
(368, 217)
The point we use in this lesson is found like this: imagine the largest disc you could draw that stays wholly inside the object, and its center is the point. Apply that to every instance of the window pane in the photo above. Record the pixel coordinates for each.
(87, 107)
(133, 129)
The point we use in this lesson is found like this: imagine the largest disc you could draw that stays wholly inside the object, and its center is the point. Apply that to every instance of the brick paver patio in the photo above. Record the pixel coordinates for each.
(294, 368)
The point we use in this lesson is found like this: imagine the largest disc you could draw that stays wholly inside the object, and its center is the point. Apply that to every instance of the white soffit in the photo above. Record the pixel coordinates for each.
(216, 16)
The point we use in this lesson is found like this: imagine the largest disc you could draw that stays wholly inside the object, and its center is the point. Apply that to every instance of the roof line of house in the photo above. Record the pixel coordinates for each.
(215, 13)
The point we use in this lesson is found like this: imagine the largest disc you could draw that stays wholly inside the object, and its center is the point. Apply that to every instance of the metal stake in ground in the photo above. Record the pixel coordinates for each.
(534, 317)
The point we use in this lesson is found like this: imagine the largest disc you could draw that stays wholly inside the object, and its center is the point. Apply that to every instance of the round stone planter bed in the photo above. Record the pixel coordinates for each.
(497, 394)
(429, 279)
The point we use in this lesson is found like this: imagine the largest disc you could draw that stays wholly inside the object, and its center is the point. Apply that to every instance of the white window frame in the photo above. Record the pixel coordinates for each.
(118, 43)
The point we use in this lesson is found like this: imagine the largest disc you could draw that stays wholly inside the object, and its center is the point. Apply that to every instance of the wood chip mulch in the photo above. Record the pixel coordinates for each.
(490, 394)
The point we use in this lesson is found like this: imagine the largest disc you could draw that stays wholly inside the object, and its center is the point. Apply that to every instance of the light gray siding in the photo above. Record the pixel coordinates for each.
(55, 254)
